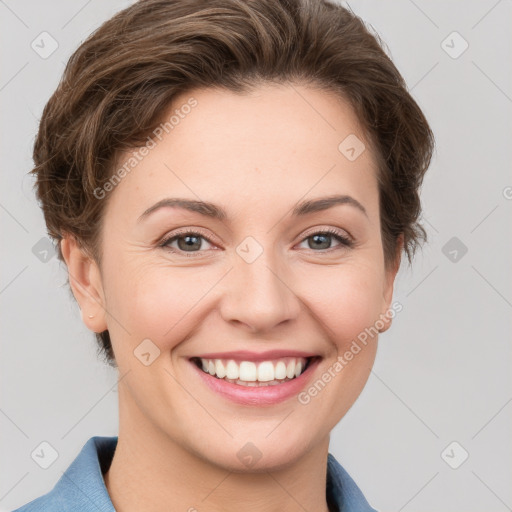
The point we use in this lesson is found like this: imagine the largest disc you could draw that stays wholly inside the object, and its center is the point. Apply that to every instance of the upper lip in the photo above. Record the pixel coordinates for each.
(247, 355)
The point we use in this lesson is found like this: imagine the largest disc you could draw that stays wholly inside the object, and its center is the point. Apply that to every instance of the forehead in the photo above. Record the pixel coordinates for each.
(276, 143)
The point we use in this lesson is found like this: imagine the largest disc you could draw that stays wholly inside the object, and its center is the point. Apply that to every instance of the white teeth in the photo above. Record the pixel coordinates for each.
(280, 370)
(250, 373)
(232, 370)
(256, 384)
(290, 370)
(265, 371)
(220, 370)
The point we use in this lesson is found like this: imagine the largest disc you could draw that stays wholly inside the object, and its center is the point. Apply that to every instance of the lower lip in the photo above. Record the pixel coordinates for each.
(263, 395)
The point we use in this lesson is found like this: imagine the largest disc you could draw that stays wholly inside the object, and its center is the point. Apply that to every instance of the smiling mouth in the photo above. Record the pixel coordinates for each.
(249, 373)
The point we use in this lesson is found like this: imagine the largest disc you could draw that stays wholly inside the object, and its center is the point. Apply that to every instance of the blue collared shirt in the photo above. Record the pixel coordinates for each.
(82, 488)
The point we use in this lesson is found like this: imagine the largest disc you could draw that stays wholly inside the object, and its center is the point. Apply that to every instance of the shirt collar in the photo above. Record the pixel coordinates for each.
(82, 487)
(343, 494)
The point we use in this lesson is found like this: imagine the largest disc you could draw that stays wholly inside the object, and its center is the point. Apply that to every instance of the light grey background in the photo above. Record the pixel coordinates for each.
(443, 371)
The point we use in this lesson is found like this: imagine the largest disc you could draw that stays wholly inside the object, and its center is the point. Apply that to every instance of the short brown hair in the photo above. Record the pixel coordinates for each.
(119, 81)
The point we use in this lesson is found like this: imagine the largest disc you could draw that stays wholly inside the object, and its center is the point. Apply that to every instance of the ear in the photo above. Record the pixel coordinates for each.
(390, 275)
(86, 284)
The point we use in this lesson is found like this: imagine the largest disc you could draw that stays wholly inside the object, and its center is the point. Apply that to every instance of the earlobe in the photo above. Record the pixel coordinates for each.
(86, 284)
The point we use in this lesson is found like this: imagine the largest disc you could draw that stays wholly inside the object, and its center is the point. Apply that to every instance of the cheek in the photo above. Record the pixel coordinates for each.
(346, 300)
(157, 302)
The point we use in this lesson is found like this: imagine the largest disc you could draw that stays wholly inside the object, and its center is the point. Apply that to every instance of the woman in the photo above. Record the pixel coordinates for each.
(231, 185)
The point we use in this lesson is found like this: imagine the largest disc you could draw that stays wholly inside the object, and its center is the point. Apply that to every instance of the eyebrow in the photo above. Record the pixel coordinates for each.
(217, 212)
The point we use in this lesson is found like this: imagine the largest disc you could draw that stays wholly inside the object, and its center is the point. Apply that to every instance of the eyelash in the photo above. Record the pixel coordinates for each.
(345, 241)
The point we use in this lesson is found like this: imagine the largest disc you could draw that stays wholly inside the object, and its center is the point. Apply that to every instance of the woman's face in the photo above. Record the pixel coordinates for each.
(265, 277)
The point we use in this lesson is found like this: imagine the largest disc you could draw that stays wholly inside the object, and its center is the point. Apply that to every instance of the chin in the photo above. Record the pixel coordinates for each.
(260, 454)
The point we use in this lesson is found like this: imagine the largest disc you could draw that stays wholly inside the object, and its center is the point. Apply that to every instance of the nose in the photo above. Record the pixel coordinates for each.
(259, 295)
